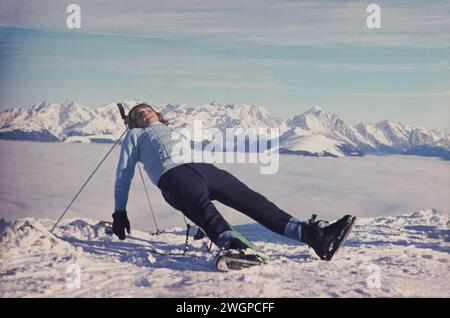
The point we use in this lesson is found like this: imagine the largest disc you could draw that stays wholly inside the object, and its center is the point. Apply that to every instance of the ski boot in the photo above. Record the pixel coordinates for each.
(324, 238)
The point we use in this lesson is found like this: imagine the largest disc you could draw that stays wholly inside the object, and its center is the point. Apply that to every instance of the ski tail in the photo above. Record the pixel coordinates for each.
(229, 260)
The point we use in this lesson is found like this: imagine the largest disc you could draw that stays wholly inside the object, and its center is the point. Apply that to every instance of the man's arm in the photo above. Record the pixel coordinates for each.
(129, 154)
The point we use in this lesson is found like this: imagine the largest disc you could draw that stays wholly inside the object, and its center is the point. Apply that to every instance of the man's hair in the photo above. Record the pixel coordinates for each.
(138, 116)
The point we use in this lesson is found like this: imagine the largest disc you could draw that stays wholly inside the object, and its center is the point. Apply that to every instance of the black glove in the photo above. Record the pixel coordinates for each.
(120, 223)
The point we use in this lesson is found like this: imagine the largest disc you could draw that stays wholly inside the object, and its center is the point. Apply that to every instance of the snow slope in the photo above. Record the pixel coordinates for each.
(300, 141)
(409, 251)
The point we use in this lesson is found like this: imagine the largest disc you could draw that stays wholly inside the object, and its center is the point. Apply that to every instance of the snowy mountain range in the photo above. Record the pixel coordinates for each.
(313, 133)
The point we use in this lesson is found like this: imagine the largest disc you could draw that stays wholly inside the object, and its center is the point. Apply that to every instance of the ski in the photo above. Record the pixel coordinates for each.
(237, 259)
(250, 245)
(229, 260)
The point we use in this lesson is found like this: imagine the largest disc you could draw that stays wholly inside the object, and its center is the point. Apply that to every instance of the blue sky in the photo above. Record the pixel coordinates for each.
(284, 55)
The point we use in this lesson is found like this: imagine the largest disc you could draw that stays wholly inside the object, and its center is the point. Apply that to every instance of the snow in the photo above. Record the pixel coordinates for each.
(319, 122)
(314, 144)
(68, 119)
(71, 122)
(410, 252)
(398, 136)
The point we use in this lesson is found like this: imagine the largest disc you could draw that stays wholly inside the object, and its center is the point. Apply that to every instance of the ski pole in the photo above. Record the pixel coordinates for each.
(149, 202)
(87, 181)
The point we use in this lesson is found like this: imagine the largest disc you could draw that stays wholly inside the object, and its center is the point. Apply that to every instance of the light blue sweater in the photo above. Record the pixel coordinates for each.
(152, 146)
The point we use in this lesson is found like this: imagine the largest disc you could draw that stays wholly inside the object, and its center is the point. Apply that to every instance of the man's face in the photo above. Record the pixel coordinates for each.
(151, 117)
(144, 117)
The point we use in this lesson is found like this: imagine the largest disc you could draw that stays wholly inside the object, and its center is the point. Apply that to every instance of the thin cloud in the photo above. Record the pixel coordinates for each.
(406, 95)
(229, 84)
(387, 67)
(275, 23)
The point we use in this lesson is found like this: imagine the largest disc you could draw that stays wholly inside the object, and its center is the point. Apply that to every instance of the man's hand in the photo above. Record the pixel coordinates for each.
(120, 223)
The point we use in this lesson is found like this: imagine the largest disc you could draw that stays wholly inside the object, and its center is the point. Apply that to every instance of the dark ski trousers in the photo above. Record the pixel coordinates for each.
(191, 187)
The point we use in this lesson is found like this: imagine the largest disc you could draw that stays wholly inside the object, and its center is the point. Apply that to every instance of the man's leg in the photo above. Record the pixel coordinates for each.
(230, 191)
(186, 190)
(224, 187)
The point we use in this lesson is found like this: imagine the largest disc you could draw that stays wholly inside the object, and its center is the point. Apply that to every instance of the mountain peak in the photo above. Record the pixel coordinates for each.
(39, 107)
(68, 102)
(215, 103)
(315, 109)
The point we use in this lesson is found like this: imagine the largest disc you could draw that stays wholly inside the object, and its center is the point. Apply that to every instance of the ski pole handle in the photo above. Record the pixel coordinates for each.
(122, 113)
